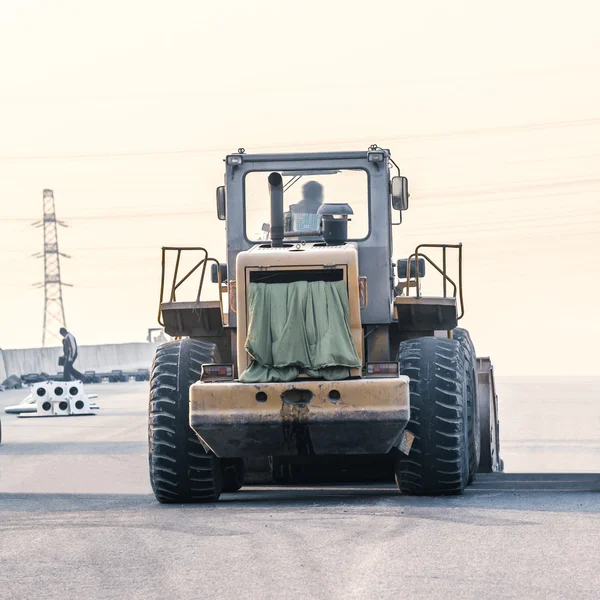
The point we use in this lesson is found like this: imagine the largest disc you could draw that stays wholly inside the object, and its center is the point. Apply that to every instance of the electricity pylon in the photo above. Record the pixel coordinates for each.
(54, 310)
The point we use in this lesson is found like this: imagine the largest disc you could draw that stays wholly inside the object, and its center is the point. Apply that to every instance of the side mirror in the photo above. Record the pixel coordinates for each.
(221, 211)
(400, 193)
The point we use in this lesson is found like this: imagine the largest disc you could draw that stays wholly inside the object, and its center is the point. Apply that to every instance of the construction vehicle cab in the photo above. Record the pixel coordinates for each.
(355, 179)
(320, 346)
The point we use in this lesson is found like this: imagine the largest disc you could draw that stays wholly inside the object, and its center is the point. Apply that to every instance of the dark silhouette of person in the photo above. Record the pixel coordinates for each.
(70, 356)
(302, 216)
(312, 198)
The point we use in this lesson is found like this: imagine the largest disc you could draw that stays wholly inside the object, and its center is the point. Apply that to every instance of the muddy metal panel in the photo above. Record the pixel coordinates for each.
(374, 252)
(357, 416)
(193, 319)
(488, 416)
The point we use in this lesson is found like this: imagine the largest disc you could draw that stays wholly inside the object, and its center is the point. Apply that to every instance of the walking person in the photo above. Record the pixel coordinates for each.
(70, 356)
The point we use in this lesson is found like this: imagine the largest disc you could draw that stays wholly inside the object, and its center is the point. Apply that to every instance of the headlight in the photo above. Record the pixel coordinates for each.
(375, 156)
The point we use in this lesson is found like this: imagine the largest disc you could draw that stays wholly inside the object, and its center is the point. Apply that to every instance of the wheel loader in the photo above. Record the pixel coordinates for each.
(321, 354)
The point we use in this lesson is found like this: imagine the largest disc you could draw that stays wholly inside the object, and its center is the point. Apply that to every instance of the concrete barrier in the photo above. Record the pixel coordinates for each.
(3, 374)
(104, 357)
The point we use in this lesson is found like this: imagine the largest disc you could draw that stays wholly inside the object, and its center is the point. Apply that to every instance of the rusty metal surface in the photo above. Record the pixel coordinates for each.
(368, 417)
(425, 313)
(377, 340)
(193, 319)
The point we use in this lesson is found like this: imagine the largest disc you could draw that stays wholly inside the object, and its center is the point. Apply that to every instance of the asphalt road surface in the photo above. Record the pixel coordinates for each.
(78, 520)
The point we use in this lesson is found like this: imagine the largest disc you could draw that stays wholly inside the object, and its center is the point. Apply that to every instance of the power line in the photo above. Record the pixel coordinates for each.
(403, 137)
(509, 189)
(422, 195)
(116, 217)
(427, 204)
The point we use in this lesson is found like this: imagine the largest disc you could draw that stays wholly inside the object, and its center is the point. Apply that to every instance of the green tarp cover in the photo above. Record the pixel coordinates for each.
(299, 327)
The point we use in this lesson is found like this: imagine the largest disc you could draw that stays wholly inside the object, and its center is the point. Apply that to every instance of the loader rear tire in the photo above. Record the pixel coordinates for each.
(463, 337)
(438, 461)
(181, 470)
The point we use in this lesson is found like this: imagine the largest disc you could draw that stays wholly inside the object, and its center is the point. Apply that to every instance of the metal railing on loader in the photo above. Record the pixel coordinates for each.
(457, 289)
(178, 280)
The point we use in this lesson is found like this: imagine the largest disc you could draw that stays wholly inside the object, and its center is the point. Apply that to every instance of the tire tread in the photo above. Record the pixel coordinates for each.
(181, 471)
(438, 460)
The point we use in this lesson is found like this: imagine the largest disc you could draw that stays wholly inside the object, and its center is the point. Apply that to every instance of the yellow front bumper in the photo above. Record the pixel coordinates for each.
(354, 416)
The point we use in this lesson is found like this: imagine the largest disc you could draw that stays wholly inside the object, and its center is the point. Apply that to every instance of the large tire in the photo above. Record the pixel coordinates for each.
(438, 461)
(463, 337)
(181, 470)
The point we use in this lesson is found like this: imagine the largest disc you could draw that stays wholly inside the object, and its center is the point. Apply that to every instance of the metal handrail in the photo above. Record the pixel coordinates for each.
(446, 278)
(175, 284)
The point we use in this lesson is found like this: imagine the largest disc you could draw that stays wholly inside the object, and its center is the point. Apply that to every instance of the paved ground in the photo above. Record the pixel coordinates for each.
(77, 519)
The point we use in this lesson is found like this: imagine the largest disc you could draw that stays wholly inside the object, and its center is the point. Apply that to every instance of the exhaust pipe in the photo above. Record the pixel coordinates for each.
(276, 193)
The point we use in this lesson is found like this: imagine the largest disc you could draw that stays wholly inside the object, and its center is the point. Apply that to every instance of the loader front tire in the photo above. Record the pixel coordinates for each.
(181, 470)
(438, 461)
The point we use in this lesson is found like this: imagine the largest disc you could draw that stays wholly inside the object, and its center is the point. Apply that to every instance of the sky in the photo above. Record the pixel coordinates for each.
(126, 110)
